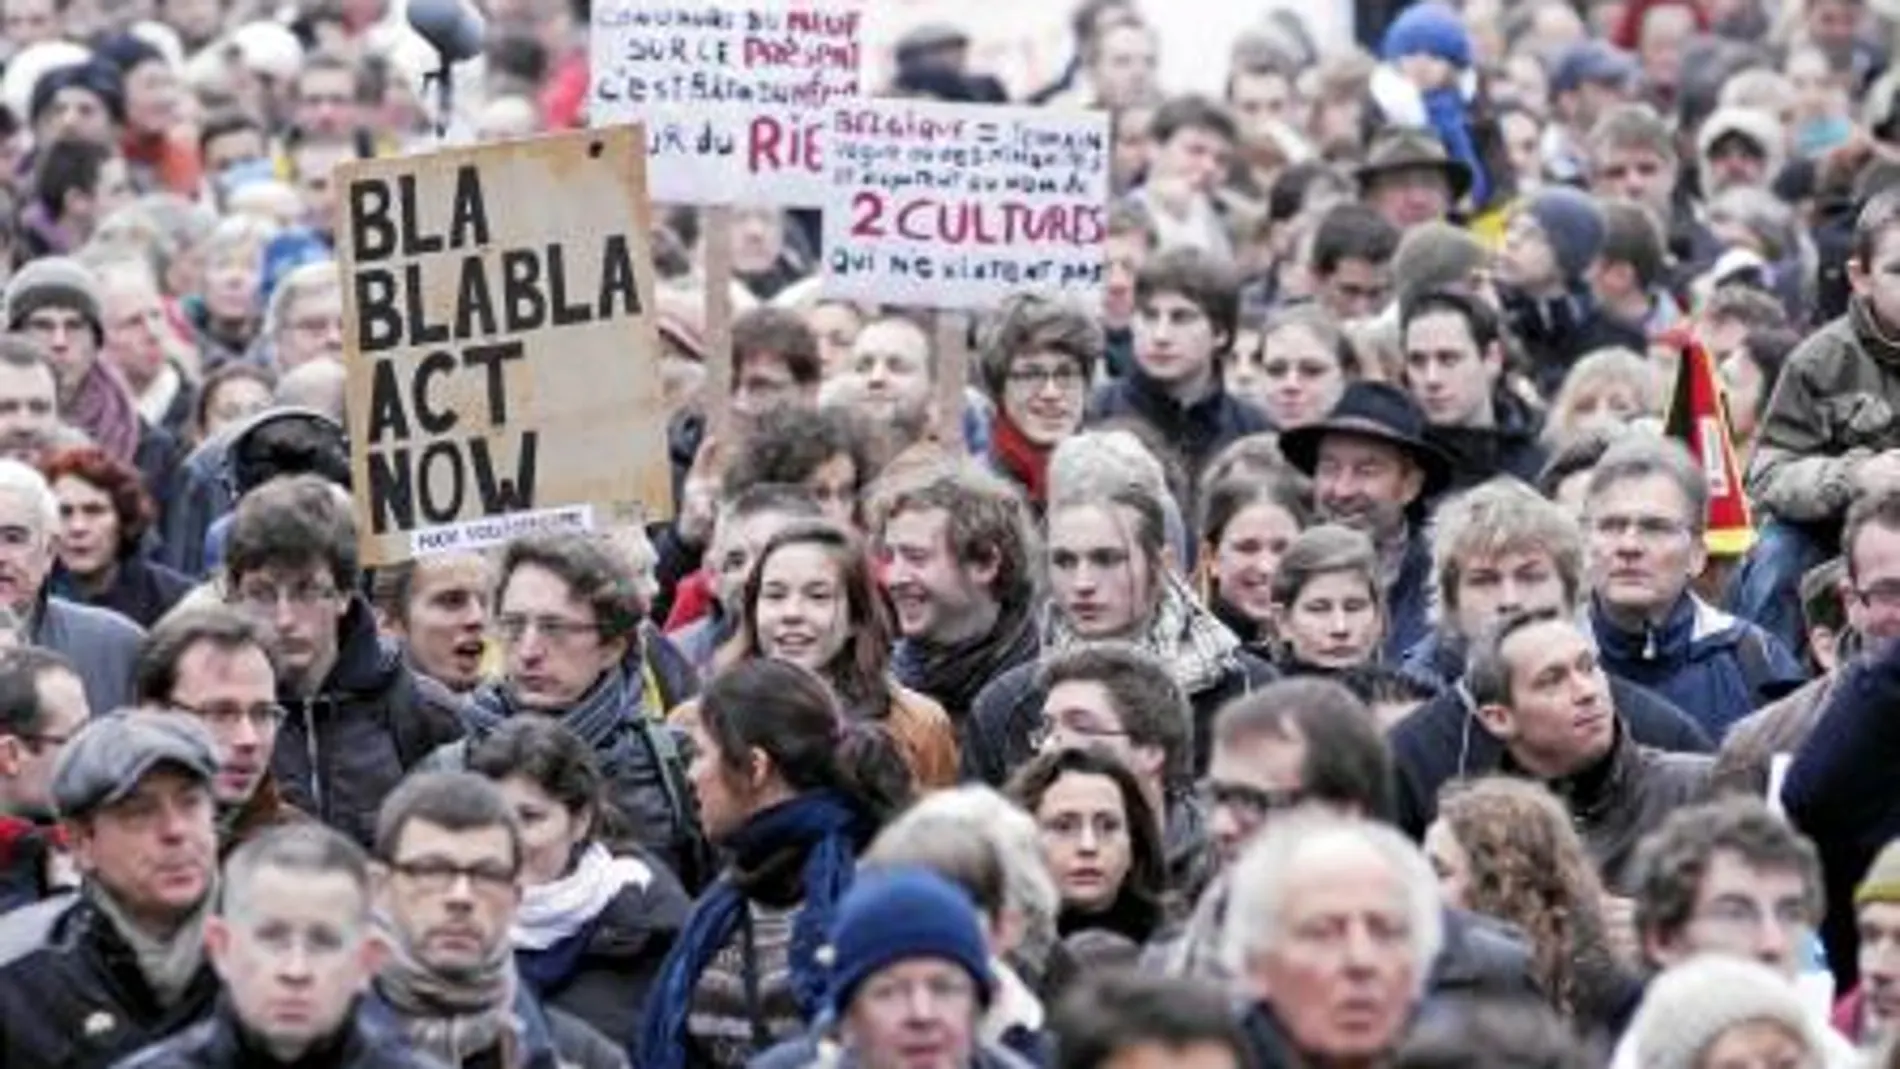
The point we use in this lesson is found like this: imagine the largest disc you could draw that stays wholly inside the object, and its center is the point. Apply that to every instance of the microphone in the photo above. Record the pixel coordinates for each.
(454, 30)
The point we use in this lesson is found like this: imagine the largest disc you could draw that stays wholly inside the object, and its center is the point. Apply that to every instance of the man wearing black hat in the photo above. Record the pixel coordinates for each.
(1374, 470)
(86, 980)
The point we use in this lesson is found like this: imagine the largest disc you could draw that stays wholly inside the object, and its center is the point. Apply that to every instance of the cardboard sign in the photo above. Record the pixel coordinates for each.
(960, 205)
(733, 96)
(503, 359)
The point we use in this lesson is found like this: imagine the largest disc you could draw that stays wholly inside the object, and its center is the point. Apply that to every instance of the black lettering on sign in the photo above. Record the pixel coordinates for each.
(473, 302)
(378, 323)
(431, 419)
(386, 417)
(375, 235)
(372, 234)
(431, 485)
(617, 278)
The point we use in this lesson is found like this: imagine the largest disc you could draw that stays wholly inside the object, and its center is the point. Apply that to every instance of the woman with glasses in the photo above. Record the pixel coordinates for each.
(1505, 848)
(1037, 359)
(1328, 604)
(791, 789)
(1102, 842)
(597, 914)
(1297, 371)
(104, 515)
(568, 615)
(810, 600)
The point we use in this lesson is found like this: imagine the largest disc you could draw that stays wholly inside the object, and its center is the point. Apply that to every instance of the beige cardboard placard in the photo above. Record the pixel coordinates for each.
(503, 359)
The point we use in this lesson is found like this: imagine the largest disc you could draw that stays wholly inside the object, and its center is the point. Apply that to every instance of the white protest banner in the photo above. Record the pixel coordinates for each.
(733, 95)
(502, 353)
(957, 206)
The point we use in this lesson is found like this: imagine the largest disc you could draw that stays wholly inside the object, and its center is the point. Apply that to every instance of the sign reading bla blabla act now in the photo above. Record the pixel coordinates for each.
(733, 95)
(958, 206)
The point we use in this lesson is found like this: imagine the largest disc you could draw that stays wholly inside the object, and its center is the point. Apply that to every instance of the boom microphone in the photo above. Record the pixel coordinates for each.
(454, 30)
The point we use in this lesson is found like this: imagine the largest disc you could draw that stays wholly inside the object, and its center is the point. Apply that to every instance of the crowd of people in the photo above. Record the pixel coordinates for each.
(1331, 651)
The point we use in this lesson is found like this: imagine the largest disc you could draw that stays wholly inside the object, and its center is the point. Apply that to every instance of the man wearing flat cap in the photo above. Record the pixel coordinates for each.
(90, 978)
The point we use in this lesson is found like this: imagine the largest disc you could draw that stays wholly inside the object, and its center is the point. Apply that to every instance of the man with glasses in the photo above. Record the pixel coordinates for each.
(1732, 878)
(358, 718)
(1123, 700)
(216, 664)
(1644, 514)
(42, 705)
(448, 883)
(295, 948)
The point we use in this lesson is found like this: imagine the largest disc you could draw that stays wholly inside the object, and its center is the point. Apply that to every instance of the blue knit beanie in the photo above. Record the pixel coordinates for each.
(901, 914)
(1572, 222)
(1430, 29)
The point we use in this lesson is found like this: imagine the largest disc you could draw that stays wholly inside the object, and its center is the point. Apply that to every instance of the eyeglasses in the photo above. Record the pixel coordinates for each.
(1647, 528)
(1734, 914)
(1046, 730)
(1882, 595)
(1030, 379)
(262, 715)
(512, 628)
(1255, 802)
(265, 598)
(435, 875)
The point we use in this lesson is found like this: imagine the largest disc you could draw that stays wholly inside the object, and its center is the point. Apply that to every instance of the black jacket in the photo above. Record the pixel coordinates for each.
(1442, 741)
(1556, 334)
(549, 1039)
(340, 752)
(72, 995)
(220, 1042)
(142, 591)
(1194, 432)
(1508, 447)
(601, 973)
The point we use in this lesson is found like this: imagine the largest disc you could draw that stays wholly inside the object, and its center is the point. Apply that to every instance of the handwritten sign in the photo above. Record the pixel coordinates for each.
(502, 353)
(733, 96)
(960, 205)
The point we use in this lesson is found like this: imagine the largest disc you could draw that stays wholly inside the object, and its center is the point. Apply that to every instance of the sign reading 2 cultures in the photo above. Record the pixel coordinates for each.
(503, 368)
(957, 206)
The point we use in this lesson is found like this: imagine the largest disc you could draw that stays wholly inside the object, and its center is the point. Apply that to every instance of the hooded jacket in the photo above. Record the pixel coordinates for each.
(1713, 666)
(1756, 126)
(1834, 407)
(343, 749)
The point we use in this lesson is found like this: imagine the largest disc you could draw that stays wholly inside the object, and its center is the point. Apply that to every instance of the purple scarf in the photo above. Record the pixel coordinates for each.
(102, 406)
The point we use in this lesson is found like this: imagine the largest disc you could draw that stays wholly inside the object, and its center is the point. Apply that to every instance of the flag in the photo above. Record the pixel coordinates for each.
(1698, 418)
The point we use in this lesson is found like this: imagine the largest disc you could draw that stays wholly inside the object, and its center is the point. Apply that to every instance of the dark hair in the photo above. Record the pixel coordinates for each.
(1345, 760)
(1107, 1014)
(1820, 591)
(1882, 213)
(858, 674)
(1153, 708)
(1672, 860)
(225, 123)
(1140, 897)
(1479, 319)
(788, 498)
(518, 55)
(1881, 509)
(453, 801)
(1492, 1031)
(986, 521)
(791, 716)
(1375, 684)
(1207, 281)
(21, 667)
(1352, 231)
(1192, 112)
(69, 165)
(770, 331)
(304, 848)
(1029, 323)
(548, 755)
(1577, 456)
(234, 371)
(1487, 671)
(1228, 497)
(119, 481)
(293, 521)
(155, 678)
(593, 573)
(1746, 305)
(1632, 236)
(788, 444)
(957, 850)
(1769, 348)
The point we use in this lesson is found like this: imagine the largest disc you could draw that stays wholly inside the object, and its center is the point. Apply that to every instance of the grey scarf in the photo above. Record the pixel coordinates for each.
(168, 964)
(453, 1017)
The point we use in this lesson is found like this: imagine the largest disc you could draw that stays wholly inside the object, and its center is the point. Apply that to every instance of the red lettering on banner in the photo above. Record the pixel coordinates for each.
(976, 223)
(772, 145)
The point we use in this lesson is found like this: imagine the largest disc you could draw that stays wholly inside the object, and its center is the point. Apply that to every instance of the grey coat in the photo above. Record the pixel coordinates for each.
(103, 646)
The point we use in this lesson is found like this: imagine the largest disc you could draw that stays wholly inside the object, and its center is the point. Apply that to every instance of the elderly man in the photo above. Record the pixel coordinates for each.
(1336, 923)
(86, 980)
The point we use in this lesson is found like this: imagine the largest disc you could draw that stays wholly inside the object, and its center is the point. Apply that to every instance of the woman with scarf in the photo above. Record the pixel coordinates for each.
(810, 599)
(596, 918)
(1328, 611)
(791, 789)
(567, 617)
(1037, 359)
(104, 514)
(1111, 580)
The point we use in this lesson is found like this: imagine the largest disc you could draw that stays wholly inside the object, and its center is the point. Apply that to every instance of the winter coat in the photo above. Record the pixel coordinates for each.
(1713, 666)
(1833, 407)
(1443, 740)
(1557, 333)
(1780, 728)
(549, 1038)
(142, 591)
(1510, 446)
(1408, 598)
(220, 1042)
(601, 973)
(71, 992)
(102, 645)
(1195, 433)
(343, 749)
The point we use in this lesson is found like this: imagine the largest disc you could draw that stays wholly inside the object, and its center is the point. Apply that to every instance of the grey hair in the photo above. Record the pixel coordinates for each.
(1765, 215)
(299, 283)
(236, 231)
(1092, 467)
(1641, 454)
(1028, 887)
(20, 478)
(1259, 885)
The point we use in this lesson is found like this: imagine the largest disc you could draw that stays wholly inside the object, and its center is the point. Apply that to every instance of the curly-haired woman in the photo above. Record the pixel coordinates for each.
(104, 514)
(1505, 848)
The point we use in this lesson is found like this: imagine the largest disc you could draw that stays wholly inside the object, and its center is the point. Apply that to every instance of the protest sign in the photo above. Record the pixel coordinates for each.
(502, 354)
(733, 95)
(957, 206)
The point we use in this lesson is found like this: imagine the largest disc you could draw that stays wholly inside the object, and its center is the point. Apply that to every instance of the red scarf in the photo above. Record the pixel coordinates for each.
(1022, 459)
